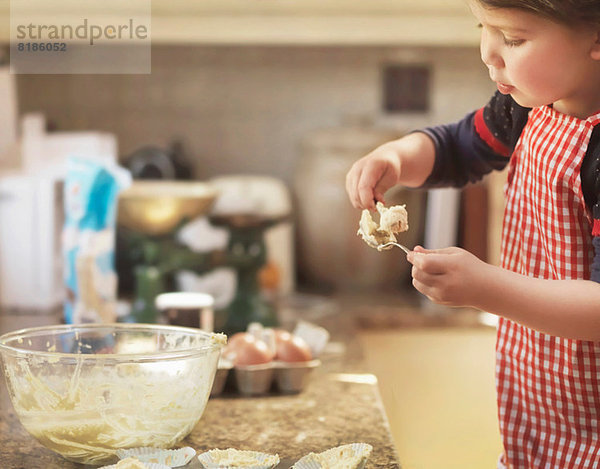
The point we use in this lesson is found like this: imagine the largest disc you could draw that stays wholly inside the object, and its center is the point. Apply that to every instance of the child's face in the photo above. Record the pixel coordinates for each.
(539, 61)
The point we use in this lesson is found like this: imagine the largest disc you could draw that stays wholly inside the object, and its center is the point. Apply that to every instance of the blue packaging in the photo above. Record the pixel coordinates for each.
(91, 196)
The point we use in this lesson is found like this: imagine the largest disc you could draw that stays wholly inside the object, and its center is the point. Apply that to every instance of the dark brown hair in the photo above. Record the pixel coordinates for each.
(569, 12)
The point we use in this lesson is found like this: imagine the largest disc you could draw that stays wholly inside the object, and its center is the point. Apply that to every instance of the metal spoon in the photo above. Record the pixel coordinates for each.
(384, 246)
(381, 247)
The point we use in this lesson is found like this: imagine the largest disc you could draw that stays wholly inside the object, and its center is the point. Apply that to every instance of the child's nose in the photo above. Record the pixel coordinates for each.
(489, 52)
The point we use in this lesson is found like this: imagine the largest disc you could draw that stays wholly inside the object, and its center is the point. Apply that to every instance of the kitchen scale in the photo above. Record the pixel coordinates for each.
(152, 212)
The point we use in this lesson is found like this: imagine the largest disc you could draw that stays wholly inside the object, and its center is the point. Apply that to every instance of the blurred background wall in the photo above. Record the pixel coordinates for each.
(248, 107)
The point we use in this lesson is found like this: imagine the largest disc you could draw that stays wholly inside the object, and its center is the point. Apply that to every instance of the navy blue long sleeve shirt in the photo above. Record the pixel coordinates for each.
(484, 140)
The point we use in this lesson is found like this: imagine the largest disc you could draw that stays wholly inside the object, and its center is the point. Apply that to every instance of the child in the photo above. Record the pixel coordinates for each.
(543, 122)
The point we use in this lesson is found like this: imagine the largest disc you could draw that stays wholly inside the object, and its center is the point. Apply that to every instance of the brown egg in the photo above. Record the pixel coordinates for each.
(251, 351)
(293, 349)
(233, 342)
(282, 334)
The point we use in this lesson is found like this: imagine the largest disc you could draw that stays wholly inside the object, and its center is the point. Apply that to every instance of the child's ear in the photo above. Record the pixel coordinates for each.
(595, 50)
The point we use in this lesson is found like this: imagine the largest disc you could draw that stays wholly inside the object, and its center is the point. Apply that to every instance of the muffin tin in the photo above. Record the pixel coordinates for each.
(254, 380)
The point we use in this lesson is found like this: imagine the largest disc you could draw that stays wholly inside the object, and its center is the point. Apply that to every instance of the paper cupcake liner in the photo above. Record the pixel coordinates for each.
(148, 465)
(211, 459)
(311, 461)
(166, 457)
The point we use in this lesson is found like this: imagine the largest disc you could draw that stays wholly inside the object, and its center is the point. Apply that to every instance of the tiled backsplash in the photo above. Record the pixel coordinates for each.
(246, 109)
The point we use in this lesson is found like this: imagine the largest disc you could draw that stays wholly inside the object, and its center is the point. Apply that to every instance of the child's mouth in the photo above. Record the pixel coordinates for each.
(504, 89)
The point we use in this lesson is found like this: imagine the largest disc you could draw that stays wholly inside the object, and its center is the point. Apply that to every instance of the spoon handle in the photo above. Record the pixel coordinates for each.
(383, 246)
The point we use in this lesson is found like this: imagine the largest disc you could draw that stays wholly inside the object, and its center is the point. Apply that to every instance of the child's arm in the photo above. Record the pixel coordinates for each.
(563, 308)
(445, 155)
(407, 161)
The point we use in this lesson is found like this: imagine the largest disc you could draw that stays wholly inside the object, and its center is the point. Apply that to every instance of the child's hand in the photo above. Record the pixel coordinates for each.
(371, 176)
(449, 276)
(407, 161)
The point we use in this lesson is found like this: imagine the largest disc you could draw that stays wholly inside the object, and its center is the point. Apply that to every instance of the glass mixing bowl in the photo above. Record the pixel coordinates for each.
(85, 391)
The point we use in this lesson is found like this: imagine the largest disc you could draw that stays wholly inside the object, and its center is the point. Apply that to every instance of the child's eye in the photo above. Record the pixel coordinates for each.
(513, 42)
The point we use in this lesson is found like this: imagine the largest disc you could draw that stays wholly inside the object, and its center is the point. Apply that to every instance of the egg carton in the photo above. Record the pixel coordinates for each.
(253, 380)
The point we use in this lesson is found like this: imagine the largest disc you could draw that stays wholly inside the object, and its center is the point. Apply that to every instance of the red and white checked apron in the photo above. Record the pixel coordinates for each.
(548, 387)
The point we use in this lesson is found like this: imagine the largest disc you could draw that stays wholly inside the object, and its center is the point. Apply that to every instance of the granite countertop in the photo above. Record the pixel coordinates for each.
(340, 405)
